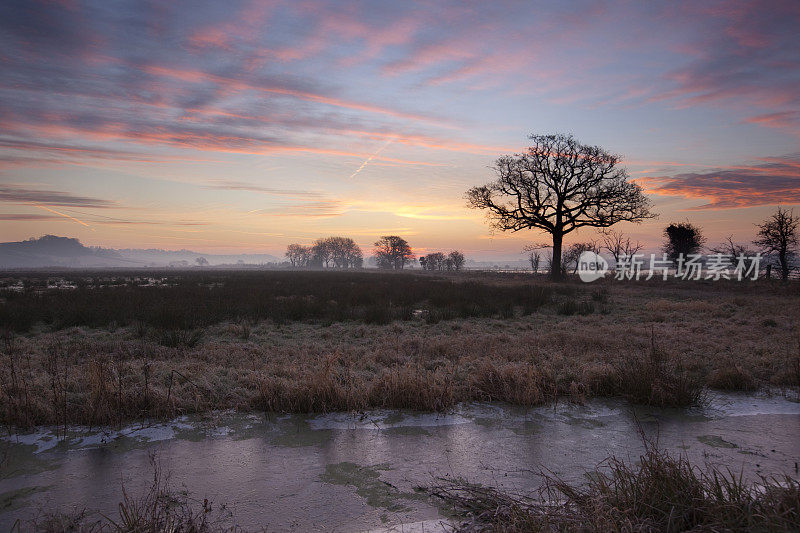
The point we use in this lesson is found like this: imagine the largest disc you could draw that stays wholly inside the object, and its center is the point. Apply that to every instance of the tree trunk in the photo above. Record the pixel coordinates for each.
(555, 265)
(784, 265)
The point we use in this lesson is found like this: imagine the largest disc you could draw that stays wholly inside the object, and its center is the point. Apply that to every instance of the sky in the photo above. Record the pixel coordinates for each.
(246, 126)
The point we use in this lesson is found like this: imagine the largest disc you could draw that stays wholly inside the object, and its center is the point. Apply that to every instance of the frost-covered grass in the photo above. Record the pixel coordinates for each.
(653, 343)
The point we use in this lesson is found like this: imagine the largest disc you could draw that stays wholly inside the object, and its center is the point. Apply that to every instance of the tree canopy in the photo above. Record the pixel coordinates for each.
(336, 252)
(682, 239)
(393, 252)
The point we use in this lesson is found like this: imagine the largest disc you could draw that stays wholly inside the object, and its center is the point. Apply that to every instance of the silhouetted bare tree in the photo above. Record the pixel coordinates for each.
(683, 238)
(345, 253)
(618, 244)
(337, 252)
(573, 253)
(534, 257)
(433, 261)
(778, 235)
(392, 252)
(737, 252)
(457, 259)
(321, 253)
(535, 254)
(298, 255)
(559, 185)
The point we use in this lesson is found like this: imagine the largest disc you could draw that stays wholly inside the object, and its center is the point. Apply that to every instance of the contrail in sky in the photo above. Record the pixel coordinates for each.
(63, 215)
(370, 158)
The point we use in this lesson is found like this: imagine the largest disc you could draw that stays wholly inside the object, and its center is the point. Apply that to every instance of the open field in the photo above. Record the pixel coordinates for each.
(112, 350)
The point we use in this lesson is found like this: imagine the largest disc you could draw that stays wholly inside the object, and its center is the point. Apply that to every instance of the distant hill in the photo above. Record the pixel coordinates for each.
(54, 251)
(51, 250)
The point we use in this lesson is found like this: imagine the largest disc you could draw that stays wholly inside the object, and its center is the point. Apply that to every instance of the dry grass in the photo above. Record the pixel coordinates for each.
(653, 343)
(658, 493)
(733, 378)
(517, 383)
(653, 379)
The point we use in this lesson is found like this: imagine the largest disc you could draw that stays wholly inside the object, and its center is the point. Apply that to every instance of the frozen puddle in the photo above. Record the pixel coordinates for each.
(359, 472)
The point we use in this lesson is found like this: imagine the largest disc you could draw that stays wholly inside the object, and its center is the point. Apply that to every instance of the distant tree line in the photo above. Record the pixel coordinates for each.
(777, 241)
(616, 244)
(391, 253)
(329, 252)
(439, 261)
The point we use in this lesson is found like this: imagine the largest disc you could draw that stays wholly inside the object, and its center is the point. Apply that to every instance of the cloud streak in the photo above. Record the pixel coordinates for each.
(22, 195)
(774, 182)
(371, 157)
(747, 58)
(248, 187)
(26, 217)
(70, 217)
(315, 209)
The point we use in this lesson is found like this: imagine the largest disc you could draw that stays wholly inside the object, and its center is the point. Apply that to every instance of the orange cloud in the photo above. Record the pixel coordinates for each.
(777, 181)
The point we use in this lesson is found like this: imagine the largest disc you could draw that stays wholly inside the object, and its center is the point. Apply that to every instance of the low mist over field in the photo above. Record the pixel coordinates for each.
(53, 251)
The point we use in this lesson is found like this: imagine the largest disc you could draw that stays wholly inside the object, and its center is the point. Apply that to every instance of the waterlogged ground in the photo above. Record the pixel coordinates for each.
(351, 472)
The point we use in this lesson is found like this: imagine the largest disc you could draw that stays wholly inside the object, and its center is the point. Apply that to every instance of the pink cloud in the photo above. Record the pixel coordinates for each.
(776, 181)
(233, 84)
(782, 119)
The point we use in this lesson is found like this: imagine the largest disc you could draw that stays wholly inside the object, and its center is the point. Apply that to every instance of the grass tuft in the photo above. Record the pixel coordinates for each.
(651, 379)
(413, 387)
(658, 493)
(159, 509)
(180, 338)
(573, 307)
(731, 378)
(516, 383)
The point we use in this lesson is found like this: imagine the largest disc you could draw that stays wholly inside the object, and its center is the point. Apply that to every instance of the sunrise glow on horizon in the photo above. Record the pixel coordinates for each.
(242, 127)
